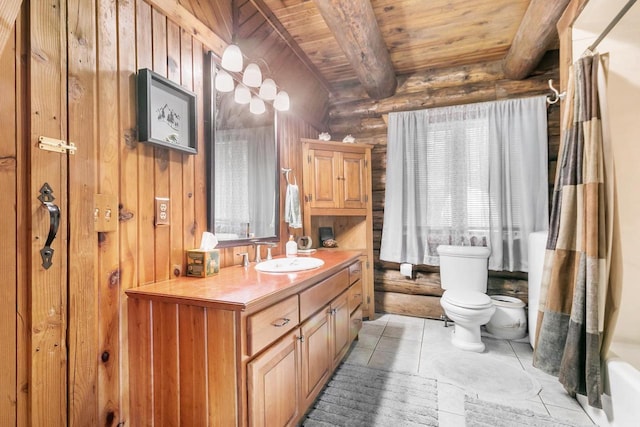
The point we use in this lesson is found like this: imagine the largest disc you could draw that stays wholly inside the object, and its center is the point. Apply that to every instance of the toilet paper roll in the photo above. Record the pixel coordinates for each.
(406, 269)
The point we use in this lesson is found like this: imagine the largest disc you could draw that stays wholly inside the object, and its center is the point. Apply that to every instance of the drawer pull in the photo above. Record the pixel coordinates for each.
(283, 322)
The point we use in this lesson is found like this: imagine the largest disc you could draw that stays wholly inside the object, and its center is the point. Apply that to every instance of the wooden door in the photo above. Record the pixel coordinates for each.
(47, 285)
(316, 357)
(273, 384)
(340, 326)
(353, 181)
(324, 179)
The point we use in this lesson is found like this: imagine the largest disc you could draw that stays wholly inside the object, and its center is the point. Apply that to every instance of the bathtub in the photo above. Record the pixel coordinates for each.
(622, 388)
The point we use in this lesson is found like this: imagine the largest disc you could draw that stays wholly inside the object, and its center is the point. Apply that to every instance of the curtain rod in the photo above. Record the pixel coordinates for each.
(612, 24)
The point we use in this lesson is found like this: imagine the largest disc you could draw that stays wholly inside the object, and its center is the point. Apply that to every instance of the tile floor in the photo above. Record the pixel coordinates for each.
(407, 344)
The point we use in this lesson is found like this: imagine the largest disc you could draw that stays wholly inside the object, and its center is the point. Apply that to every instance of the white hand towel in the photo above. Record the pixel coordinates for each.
(292, 207)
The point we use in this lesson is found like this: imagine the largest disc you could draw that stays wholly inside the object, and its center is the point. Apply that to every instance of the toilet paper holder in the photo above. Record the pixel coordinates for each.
(406, 270)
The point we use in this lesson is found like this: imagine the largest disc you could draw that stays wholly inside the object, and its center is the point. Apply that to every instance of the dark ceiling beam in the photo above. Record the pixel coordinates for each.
(356, 30)
(8, 12)
(535, 34)
(275, 23)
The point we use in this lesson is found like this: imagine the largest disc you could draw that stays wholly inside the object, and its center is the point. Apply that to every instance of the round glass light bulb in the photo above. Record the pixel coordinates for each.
(232, 58)
(252, 76)
(268, 89)
(242, 95)
(224, 81)
(281, 103)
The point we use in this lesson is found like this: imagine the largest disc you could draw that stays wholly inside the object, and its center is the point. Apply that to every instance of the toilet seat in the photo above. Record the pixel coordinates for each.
(472, 300)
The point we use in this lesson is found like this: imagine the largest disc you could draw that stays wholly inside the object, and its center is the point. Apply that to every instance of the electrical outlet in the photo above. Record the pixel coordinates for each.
(162, 211)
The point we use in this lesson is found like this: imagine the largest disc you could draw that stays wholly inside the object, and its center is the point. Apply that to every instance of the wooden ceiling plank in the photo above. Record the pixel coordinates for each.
(288, 39)
(354, 26)
(8, 12)
(536, 32)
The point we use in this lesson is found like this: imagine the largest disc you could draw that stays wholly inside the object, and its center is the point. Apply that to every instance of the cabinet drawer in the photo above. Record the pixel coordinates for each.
(268, 325)
(355, 295)
(355, 272)
(355, 324)
(316, 297)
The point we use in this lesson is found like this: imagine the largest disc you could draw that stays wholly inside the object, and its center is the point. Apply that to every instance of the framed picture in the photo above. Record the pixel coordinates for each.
(166, 113)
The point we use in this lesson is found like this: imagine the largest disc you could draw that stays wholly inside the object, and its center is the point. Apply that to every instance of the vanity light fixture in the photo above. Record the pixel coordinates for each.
(224, 81)
(232, 58)
(281, 103)
(252, 76)
(242, 94)
(268, 90)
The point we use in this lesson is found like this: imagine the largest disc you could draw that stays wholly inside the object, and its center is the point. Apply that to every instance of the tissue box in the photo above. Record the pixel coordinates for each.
(203, 263)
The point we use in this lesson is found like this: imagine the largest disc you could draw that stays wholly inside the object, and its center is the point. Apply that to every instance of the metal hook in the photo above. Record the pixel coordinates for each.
(557, 96)
(286, 171)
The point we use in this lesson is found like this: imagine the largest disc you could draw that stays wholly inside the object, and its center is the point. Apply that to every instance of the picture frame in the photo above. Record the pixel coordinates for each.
(166, 113)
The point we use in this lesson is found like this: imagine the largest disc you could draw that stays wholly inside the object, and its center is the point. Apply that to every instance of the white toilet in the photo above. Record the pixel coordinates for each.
(463, 275)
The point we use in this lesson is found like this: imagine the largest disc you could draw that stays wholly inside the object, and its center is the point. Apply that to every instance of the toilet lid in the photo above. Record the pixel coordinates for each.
(469, 299)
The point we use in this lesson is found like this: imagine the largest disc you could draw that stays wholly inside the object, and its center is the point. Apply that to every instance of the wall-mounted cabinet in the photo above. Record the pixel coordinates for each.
(337, 194)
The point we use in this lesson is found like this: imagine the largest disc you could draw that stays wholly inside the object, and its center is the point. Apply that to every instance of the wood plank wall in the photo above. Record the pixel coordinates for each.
(108, 41)
(352, 112)
(11, 230)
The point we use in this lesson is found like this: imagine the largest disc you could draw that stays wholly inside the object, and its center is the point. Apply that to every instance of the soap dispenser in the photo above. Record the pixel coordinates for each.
(291, 248)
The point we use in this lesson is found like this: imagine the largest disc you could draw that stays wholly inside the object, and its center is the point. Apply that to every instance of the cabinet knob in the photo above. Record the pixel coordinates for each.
(300, 338)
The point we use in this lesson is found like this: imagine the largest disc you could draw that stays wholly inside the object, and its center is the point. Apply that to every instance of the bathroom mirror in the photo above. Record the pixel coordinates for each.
(242, 168)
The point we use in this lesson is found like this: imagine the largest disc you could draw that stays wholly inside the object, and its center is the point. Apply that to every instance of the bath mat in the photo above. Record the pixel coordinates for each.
(363, 396)
(484, 375)
(479, 413)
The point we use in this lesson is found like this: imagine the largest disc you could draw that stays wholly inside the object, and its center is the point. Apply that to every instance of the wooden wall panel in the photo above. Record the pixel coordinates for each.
(106, 42)
(109, 298)
(83, 268)
(9, 230)
(47, 291)
(128, 202)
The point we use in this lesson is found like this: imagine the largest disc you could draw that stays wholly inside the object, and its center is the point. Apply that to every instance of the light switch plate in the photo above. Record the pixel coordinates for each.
(162, 211)
(105, 212)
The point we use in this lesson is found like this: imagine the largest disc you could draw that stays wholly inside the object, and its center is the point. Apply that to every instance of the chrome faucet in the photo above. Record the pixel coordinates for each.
(269, 245)
(245, 258)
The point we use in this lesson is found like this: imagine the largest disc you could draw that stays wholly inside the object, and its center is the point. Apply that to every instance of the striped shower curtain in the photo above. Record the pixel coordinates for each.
(575, 280)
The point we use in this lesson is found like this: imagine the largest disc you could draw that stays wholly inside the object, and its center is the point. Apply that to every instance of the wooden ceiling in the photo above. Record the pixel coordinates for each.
(419, 34)
(304, 45)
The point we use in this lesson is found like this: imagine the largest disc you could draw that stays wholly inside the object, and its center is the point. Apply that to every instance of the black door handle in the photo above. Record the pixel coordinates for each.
(46, 197)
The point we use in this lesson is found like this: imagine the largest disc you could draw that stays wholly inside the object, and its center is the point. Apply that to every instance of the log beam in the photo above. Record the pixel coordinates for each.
(536, 32)
(8, 13)
(356, 30)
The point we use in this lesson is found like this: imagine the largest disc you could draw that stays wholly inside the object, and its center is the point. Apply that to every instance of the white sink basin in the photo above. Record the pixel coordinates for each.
(288, 265)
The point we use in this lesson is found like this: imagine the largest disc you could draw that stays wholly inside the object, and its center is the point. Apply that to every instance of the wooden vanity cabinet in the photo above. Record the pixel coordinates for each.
(273, 384)
(197, 358)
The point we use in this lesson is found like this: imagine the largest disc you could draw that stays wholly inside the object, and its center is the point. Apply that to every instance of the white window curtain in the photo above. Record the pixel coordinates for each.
(466, 175)
(242, 157)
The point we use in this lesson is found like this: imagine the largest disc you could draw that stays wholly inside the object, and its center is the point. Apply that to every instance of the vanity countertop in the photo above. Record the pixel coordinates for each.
(243, 288)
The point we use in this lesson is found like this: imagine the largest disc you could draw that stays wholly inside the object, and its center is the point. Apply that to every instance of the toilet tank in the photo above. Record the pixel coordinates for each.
(463, 267)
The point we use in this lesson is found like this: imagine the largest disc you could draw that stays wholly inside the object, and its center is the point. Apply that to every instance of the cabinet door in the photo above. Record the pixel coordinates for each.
(273, 384)
(353, 183)
(316, 356)
(340, 327)
(324, 175)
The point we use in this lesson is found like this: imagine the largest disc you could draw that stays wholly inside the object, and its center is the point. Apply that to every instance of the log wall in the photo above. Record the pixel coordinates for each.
(88, 91)
(352, 112)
